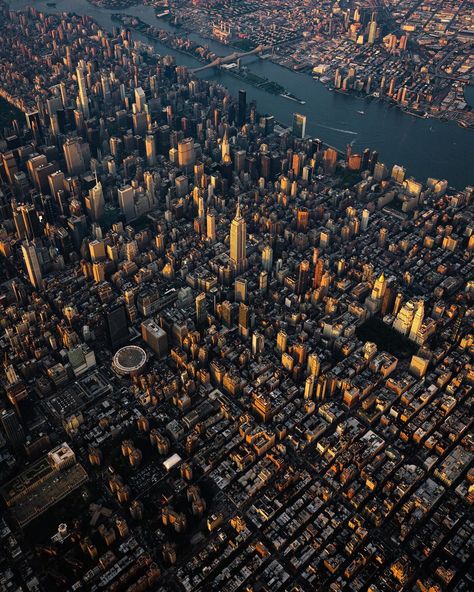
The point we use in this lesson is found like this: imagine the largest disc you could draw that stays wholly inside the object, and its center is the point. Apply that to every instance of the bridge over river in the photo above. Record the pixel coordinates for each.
(228, 59)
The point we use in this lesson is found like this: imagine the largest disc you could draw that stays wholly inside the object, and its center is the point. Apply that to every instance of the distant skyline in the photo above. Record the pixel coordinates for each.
(447, 148)
(233, 356)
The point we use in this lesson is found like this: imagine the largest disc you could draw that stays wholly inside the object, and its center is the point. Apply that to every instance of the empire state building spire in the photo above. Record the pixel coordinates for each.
(83, 99)
(238, 240)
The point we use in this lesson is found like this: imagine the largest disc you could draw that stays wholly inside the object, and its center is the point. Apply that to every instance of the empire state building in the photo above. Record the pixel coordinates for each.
(238, 239)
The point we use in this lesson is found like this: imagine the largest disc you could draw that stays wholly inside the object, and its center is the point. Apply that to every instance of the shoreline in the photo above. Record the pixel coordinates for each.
(280, 114)
(355, 94)
(444, 117)
(147, 30)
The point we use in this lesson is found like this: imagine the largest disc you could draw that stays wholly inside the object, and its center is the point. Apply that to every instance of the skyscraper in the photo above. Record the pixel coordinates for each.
(417, 321)
(96, 202)
(83, 99)
(117, 326)
(238, 241)
(299, 125)
(155, 337)
(12, 427)
(365, 219)
(318, 273)
(329, 160)
(242, 113)
(150, 148)
(127, 202)
(56, 183)
(32, 263)
(379, 288)
(404, 319)
(313, 364)
(282, 340)
(309, 386)
(31, 221)
(77, 155)
(267, 258)
(302, 278)
(225, 147)
(211, 226)
(201, 309)
(372, 35)
(302, 219)
(140, 99)
(244, 319)
(240, 290)
(186, 153)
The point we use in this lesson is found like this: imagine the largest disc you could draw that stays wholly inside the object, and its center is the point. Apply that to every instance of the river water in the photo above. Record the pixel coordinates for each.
(426, 147)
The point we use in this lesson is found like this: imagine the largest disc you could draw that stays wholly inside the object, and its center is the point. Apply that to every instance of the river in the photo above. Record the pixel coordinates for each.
(426, 147)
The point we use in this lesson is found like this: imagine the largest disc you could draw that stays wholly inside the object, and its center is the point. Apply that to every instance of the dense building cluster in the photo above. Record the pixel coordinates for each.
(415, 54)
(233, 358)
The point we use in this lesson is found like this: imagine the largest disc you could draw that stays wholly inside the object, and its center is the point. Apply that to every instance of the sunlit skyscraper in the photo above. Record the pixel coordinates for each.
(372, 34)
(238, 239)
(201, 309)
(299, 125)
(267, 258)
(32, 263)
(96, 202)
(186, 155)
(225, 147)
(83, 99)
(211, 226)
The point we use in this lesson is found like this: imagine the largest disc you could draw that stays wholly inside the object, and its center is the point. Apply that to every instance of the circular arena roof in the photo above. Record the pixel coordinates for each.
(129, 359)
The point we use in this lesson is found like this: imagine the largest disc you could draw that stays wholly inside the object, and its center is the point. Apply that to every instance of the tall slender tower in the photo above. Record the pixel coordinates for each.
(97, 203)
(238, 240)
(267, 258)
(32, 263)
(302, 277)
(211, 226)
(201, 309)
(225, 146)
(242, 112)
(372, 35)
(81, 81)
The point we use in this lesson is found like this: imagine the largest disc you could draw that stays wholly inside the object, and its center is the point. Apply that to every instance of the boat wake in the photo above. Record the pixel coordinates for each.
(336, 129)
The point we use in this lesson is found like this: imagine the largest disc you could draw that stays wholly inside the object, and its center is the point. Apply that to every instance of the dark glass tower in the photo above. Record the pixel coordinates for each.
(242, 107)
(117, 326)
